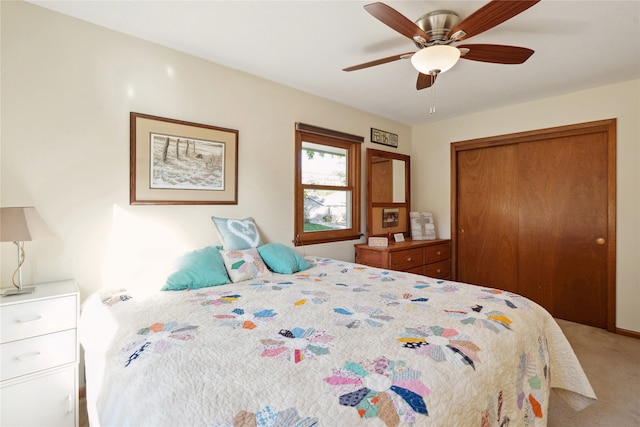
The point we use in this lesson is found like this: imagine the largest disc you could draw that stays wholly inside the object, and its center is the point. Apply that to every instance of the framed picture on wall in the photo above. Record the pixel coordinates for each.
(174, 162)
(390, 217)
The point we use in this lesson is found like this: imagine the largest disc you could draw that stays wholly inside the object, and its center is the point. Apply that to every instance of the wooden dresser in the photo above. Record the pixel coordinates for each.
(426, 257)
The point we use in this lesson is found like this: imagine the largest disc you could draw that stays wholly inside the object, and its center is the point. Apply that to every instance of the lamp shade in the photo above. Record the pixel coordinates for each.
(22, 224)
(435, 59)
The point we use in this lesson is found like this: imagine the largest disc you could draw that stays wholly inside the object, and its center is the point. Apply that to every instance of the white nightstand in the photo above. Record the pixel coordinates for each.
(39, 352)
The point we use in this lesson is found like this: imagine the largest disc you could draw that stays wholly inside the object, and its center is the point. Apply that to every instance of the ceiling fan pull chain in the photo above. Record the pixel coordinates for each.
(432, 109)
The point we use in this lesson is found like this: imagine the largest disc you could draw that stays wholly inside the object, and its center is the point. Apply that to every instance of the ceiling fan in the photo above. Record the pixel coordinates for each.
(435, 32)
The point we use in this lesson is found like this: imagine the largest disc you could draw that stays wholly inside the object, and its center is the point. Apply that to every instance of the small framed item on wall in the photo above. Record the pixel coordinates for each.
(390, 217)
(385, 138)
(422, 226)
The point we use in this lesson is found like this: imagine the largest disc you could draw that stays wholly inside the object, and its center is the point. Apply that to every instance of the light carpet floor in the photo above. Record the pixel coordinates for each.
(612, 364)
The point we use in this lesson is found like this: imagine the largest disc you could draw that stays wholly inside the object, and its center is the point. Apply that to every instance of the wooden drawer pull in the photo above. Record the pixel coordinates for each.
(31, 319)
(438, 253)
(28, 356)
(409, 259)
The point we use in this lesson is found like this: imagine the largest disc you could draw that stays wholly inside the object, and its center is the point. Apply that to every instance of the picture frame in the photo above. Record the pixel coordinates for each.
(383, 137)
(175, 162)
(422, 226)
(390, 217)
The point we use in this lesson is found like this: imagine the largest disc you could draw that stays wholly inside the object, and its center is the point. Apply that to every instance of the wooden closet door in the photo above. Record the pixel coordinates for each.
(487, 213)
(563, 226)
(534, 213)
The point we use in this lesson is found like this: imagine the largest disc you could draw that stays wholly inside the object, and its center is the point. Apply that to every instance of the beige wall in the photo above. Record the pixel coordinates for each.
(431, 150)
(67, 90)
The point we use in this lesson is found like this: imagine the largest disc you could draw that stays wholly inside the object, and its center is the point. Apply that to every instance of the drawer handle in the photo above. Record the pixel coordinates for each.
(31, 319)
(70, 407)
(438, 271)
(409, 259)
(438, 253)
(28, 356)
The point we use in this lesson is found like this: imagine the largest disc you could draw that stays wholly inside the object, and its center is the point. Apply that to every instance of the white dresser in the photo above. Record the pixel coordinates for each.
(39, 356)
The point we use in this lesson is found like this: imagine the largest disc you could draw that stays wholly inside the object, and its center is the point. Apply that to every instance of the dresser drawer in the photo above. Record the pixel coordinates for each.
(35, 318)
(438, 270)
(371, 258)
(404, 260)
(38, 353)
(416, 270)
(437, 253)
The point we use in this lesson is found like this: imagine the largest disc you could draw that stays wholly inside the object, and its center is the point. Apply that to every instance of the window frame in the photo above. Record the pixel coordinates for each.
(351, 143)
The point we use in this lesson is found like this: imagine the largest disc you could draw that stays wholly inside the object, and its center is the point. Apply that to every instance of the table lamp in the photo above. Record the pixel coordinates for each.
(17, 225)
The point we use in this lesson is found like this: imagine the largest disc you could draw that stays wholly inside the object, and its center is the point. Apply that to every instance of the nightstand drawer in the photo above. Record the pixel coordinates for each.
(38, 353)
(35, 318)
(47, 399)
(439, 270)
(404, 260)
(437, 253)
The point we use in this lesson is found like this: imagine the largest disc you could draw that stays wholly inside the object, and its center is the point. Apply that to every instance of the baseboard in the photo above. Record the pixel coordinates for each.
(625, 332)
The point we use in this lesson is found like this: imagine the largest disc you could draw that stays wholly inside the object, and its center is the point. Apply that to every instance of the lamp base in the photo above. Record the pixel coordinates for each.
(23, 291)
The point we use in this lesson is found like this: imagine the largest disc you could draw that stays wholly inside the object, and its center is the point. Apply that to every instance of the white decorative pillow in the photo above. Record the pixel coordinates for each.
(237, 233)
(244, 264)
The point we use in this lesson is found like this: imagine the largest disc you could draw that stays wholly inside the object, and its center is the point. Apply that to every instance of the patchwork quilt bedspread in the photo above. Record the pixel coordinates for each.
(339, 344)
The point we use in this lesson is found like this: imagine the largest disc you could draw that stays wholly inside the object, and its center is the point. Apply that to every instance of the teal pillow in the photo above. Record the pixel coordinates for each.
(198, 269)
(282, 259)
(237, 234)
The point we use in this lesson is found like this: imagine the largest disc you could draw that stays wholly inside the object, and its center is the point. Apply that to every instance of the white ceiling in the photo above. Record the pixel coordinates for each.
(578, 44)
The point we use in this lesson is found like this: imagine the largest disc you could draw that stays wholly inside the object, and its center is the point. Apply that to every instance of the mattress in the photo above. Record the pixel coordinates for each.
(339, 344)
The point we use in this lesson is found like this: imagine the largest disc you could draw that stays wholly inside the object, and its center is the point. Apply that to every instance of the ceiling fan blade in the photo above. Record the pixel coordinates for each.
(425, 81)
(395, 20)
(496, 53)
(488, 16)
(379, 61)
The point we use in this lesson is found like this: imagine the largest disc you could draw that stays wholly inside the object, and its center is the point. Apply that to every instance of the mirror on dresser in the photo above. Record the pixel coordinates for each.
(388, 193)
(388, 207)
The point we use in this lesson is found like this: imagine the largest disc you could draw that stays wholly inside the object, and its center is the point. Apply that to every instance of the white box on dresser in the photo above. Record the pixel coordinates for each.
(39, 356)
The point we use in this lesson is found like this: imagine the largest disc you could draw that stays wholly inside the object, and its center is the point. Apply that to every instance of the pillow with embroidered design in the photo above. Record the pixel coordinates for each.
(237, 233)
(244, 264)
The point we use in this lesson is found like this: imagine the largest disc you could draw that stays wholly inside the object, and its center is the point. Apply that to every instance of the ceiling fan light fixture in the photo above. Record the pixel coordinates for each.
(435, 59)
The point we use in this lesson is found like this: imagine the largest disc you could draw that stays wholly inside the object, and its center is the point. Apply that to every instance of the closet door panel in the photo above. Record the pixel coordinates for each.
(534, 213)
(487, 217)
(563, 226)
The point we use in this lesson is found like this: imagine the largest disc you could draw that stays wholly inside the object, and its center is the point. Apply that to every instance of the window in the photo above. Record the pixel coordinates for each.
(327, 193)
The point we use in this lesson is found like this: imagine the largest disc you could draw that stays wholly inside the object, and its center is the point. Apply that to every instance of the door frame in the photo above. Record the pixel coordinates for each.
(608, 127)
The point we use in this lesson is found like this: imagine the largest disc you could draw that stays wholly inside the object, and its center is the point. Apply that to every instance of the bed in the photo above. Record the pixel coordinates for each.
(333, 344)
